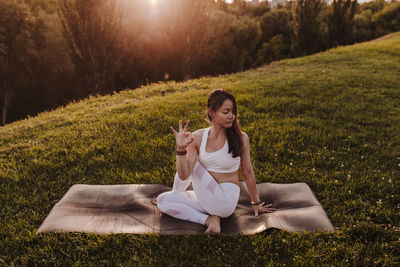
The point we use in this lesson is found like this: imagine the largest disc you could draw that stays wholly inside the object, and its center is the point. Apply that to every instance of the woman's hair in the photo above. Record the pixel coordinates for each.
(234, 135)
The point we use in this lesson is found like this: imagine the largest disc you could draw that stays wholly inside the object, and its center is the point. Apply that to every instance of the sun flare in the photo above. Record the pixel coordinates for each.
(153, 2)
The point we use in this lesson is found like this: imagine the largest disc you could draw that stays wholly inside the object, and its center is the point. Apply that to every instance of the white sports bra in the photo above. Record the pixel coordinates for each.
(219, 161)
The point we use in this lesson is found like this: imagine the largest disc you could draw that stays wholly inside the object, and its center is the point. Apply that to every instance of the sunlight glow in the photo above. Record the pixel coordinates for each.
(153, 2)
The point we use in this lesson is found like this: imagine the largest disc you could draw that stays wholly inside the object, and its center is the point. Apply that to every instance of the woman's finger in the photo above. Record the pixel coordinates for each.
(261, 209)
(173, 130)
(180, 125)
(269, 209)
(186, 126)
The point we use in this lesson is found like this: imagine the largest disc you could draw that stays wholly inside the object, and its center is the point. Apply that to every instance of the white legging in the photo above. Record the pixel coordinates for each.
(207, 198)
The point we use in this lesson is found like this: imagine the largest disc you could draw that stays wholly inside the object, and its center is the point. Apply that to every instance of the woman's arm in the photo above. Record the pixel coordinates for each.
(247, 169)
(185, 141)
(250, 178)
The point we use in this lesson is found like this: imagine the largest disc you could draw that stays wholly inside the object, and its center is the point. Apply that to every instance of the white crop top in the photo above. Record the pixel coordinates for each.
(219, 161)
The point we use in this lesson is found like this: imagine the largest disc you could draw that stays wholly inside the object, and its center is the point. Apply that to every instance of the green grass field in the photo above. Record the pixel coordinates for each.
(331, 120)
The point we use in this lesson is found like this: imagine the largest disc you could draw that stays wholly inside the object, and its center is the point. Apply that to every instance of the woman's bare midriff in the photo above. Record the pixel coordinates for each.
(232, 177)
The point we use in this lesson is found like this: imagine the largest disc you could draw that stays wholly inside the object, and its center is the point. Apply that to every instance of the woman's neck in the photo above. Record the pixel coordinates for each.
(216, 131)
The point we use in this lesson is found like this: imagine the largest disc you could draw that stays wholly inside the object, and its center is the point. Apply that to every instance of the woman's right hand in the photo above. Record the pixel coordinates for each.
(183, 137)
(260, 208)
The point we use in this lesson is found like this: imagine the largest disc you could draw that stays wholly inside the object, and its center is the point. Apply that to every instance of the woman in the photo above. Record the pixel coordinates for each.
(210, 159)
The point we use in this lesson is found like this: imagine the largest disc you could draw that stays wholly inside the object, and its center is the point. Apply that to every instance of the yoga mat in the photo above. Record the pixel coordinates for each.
(127, 208)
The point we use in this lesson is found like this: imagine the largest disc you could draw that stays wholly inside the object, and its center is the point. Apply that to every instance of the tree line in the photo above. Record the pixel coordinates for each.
(56, 51)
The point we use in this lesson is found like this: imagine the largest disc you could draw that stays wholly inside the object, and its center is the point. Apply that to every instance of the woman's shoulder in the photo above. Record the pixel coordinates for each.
(244, 135)
(245, 138)
(198, 136)
(198, 133)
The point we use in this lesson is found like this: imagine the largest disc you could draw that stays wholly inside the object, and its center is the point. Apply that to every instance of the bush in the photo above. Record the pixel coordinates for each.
(276, 22)
(228, 43)
(362, 26)
(388, 19)
(273, 50)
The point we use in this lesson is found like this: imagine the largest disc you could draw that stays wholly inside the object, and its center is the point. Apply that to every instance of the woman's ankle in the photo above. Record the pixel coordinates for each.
(213, 225)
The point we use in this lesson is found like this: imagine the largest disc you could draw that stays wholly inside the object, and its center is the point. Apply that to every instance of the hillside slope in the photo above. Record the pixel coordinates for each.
(331, 120)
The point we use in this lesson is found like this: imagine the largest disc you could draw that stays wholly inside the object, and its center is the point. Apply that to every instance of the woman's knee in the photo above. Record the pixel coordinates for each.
(165, 199)
(221, 214)
(225, 214)
(162, 200)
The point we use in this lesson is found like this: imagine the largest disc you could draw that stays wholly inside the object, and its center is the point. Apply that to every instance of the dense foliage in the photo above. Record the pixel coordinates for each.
(330, 120)
(55, 51)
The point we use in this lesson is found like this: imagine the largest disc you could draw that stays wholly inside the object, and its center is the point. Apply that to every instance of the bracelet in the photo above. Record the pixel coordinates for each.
(256, 203)
(181, 152)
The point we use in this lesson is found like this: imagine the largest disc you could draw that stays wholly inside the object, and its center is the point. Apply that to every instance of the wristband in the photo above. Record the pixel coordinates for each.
(256, 203)
(181, 152)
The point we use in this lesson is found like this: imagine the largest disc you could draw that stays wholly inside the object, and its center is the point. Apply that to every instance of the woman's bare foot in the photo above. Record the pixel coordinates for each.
(213, 224)
(154, 202)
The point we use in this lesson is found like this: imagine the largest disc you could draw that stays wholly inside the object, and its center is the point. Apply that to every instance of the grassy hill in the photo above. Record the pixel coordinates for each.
(331, 120)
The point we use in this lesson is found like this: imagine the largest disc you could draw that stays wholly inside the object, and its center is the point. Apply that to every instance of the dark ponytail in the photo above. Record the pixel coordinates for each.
(233, 134)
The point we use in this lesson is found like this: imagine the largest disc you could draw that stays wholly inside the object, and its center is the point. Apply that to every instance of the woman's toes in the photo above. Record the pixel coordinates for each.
(213, 225)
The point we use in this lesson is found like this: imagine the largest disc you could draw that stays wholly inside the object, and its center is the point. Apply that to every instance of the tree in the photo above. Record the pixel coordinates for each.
(187, 21)
(278, 21)
(374, 5)
(306, 26)
(274, 49)
(228, 44)
(93, 30)
(388, 19)
(221, 5)
(340, 21)
(20, 41)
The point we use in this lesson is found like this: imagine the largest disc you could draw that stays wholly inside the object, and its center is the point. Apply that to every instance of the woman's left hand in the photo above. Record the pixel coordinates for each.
(260, 208)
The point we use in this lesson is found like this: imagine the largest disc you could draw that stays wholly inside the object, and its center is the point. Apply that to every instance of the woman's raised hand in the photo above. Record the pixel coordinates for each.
(183, 137)
(260, 208)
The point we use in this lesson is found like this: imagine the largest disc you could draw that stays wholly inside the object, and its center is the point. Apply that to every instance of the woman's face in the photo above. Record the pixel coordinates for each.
(224, 115)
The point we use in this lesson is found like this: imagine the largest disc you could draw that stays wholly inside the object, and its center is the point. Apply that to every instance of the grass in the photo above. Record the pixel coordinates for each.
(331, 120)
